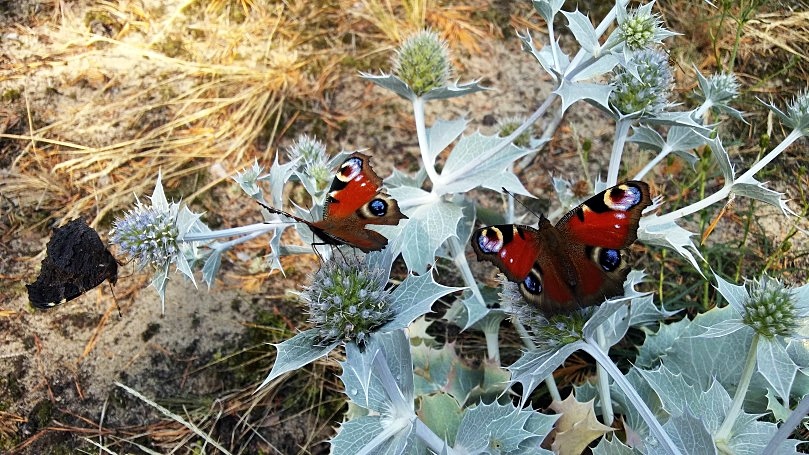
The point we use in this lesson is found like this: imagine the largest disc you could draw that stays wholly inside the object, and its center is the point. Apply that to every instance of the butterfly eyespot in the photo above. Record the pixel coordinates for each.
(490, 240)
(532, 284)
(622, 197)
(350, 169)
(609, 259)
(378, 207)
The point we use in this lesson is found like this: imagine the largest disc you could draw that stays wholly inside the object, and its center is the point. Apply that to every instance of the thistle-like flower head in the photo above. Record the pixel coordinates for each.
(422, 62)
(548, 333)
(798, 112)
(312, 159)
(646, 94)
(639, 29)
(721, 88)
(347, 301)
(149, 233)
(771, 309)
(508, 125)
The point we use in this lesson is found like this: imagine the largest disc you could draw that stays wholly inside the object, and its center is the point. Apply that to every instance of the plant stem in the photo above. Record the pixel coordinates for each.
(786, 428)
(421, 133)
(590, 347)
(621, 132)
(459, 258)
(725, 190)
(436, 444)
(723, 434)
(607, 413)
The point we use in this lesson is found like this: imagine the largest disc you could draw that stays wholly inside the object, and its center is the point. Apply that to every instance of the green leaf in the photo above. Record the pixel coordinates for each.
(442, 370)
(440, 136)
(442, 414)
(481, 161)
(297, 352)
(413, 298)
(505, 429)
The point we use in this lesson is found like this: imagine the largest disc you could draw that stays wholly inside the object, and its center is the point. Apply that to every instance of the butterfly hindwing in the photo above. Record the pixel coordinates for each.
(579, 262)
(76, 261)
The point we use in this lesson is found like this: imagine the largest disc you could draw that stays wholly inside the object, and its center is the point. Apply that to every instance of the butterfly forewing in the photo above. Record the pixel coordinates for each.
(76, 262)
(609, 219)
(354, 185)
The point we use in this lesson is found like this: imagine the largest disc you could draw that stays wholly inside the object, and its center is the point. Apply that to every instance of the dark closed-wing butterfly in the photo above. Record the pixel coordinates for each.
(354, 201)
(581, 261)
(76, 262)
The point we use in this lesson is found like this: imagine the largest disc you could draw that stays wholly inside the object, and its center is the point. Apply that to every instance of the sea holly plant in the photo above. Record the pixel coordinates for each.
(719, 383)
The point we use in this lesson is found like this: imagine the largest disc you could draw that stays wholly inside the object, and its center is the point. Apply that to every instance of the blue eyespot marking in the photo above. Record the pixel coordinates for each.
(609, 259)
(490, 240)
(623, 197)
(532, 285)
(378, 207)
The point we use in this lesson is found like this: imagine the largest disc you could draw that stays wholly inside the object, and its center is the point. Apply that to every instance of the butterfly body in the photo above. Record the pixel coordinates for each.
(76, 262)
(354, 201)
(580, 261)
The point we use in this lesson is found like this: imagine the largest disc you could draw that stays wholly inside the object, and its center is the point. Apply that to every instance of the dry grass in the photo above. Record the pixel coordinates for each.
(106, 112)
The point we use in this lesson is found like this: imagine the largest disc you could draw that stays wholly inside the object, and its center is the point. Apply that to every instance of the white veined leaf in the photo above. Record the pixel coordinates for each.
(754, 189)
(297, 352)
(582, 30)
(545, 55)
(481, 161)
(428, 227)
(668, 234)
(362, 381)
(570, 92)
(413, 298)
(441, 135)
(734, 294)
(454, 89)
(504, 424)
(774, 363)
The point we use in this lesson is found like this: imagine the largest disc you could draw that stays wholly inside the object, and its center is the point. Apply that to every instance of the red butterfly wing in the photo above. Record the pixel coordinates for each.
(355, 185)
(610, 218)
(355, 200)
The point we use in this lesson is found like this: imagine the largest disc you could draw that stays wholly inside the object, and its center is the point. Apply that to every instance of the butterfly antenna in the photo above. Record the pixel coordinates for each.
(514, 197)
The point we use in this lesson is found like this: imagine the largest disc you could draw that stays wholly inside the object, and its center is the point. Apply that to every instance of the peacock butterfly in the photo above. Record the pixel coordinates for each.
(355, 200)
(581, 261)
(76, 261)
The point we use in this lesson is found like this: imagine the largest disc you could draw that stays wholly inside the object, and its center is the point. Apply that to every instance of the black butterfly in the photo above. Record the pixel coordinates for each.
(76, 262)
